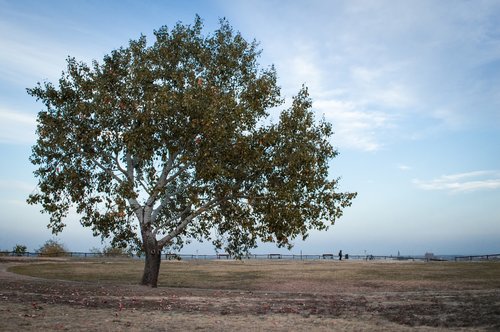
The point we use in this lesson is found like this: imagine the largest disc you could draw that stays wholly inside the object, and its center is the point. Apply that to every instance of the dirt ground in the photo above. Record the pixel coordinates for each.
(36, 304)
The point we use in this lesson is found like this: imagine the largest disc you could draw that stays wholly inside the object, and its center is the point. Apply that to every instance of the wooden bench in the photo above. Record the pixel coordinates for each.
(329, 256)
(226, 256)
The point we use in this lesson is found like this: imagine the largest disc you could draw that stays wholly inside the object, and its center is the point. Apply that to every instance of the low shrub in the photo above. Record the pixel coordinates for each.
(20, 250)
(115, 252)
(52, 248)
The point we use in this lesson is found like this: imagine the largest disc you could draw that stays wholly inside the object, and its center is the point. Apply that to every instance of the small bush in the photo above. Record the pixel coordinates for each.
(52, 248)
(173, 257)
(20, 250)
(115, 252)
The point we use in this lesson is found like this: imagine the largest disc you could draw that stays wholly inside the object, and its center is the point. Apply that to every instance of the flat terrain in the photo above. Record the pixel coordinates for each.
(103, 295)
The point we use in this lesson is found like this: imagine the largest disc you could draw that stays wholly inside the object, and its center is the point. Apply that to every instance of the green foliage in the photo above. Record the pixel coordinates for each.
(52, 248)
(20, 250)
(161, 143)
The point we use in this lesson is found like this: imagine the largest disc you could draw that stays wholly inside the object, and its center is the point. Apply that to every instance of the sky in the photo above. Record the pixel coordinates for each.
(412, 89)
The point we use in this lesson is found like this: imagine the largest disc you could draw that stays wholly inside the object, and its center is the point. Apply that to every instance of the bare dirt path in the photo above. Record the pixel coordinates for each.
(28, 303)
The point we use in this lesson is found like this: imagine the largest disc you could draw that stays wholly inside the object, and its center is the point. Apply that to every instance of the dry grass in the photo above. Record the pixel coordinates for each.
(251, 295)
(119, 271)
(277, 275)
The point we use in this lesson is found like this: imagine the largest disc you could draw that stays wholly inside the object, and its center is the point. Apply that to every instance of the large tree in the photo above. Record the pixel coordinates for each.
(161, 143)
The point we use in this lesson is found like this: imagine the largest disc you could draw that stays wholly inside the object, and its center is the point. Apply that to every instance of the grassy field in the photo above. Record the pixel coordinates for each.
(259, 275)
(277, 295)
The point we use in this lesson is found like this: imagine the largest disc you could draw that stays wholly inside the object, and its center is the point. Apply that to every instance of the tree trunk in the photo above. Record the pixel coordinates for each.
(152, 263)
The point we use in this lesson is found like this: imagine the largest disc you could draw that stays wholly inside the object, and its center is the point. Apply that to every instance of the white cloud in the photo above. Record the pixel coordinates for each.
(16, 127)
(30, 55)
(448, 117)
(28, 58)
(424, 59)
(354, 128)
(403, 167)
(304, 68)
(365, 74)
(356, 117)
(384, 86)
(393, 96)
(355, 123)
(463, 182)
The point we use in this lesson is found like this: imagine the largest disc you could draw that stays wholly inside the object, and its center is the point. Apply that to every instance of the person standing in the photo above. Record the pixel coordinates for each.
(340, 255)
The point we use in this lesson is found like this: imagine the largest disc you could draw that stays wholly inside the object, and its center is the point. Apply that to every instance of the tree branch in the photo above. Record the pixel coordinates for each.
(176, 216)
(108, 171)
(166, 199)
(162, 205)
(130, 167)
(119, 166)
(162, 181)
(146, 189)
(167, 238)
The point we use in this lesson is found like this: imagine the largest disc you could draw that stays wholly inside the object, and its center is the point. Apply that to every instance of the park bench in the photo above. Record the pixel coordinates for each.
(226, 256)
(329, 256)
(271, 256)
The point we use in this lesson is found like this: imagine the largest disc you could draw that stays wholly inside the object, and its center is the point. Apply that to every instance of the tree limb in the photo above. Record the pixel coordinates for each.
(130, 166)
(167, 238)
(166, 199)
(176, 216)
(146, 189)
(119, 166)
(162, 181)
(108, 171)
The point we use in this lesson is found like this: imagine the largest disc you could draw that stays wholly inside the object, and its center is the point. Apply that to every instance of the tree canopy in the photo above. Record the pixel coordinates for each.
(161, 143)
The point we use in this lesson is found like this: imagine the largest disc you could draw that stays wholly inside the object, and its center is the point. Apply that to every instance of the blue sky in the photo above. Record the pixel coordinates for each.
(412, 89)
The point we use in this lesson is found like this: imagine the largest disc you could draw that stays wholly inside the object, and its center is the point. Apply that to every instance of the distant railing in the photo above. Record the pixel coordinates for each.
(326, 256)
(62, 254)
(478, 258)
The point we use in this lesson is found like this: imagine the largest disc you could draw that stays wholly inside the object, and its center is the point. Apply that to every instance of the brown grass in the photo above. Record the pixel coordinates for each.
(278, 275)
(250, 295)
